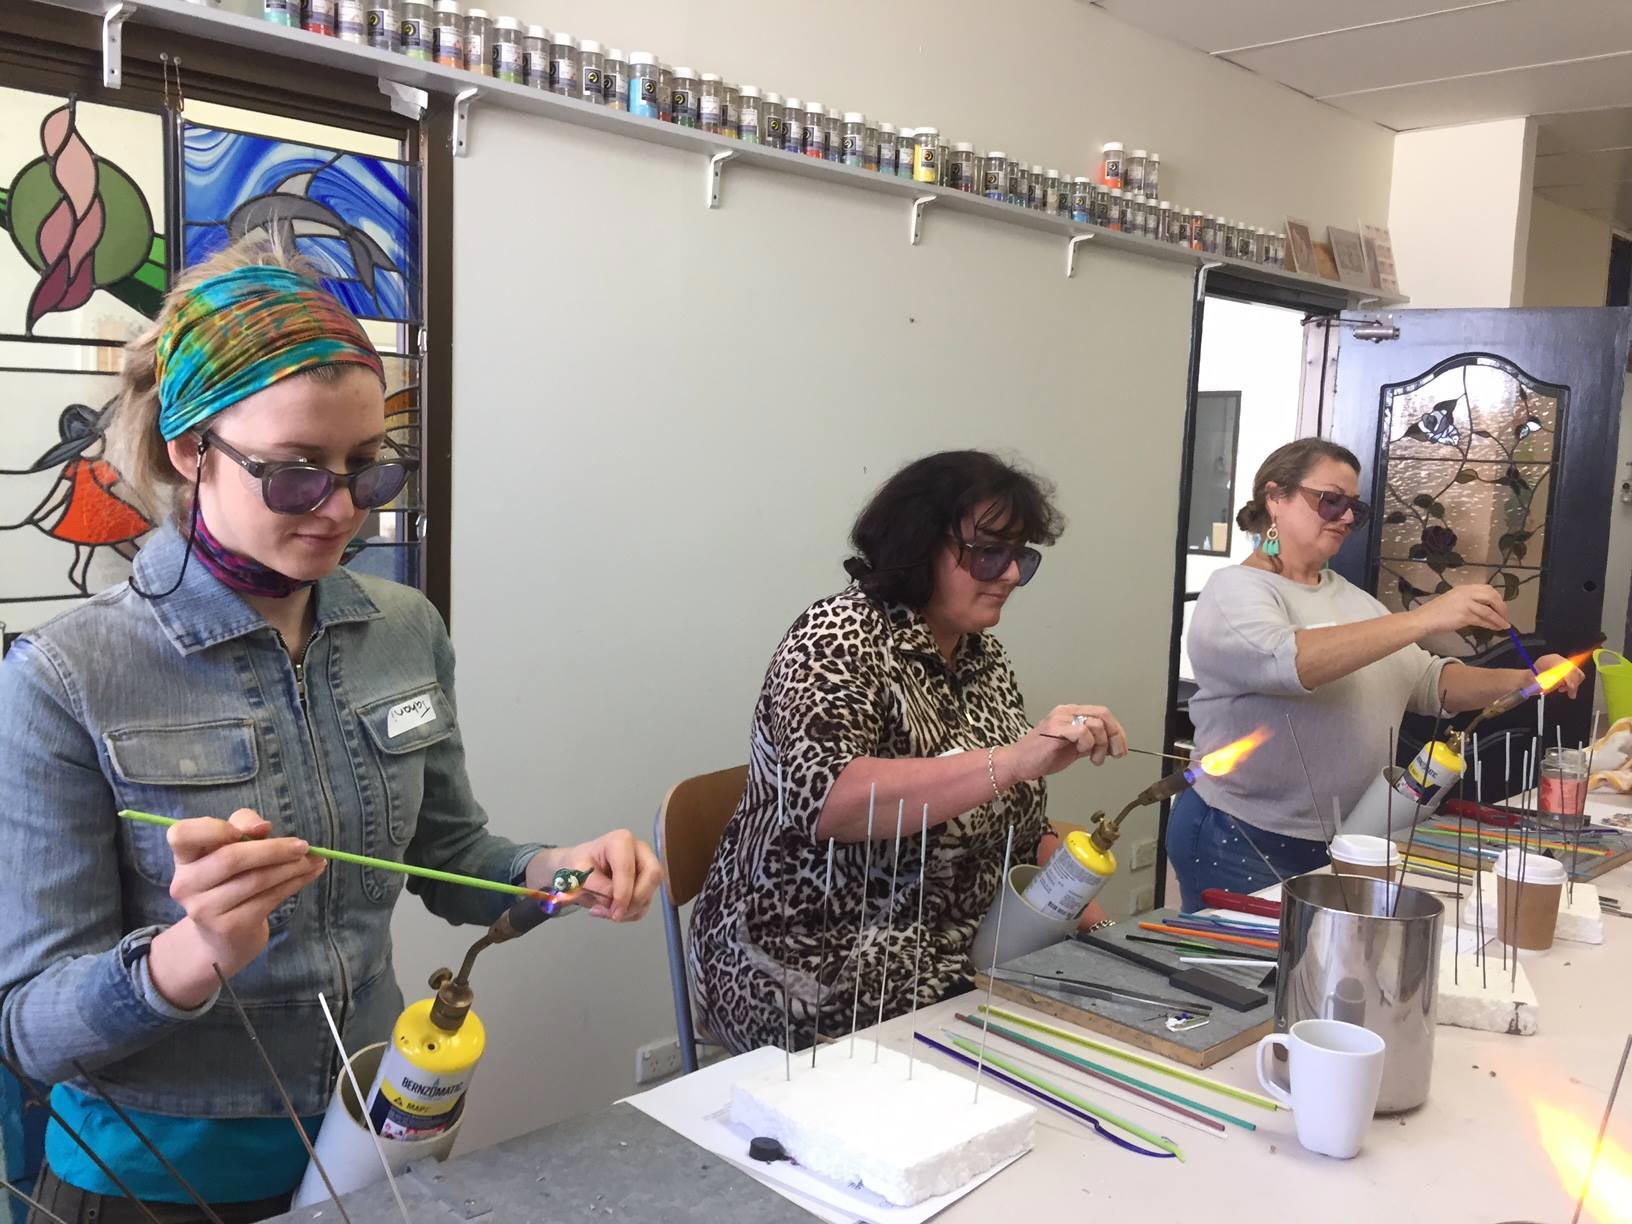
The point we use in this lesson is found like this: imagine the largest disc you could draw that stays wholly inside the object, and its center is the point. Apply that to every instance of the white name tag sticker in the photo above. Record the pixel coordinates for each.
(405, 716)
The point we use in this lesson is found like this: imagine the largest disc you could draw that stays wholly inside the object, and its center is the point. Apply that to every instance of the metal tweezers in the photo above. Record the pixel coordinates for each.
(1111, 994)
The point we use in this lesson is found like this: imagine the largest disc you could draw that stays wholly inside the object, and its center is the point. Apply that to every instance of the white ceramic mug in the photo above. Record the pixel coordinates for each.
(1336, 1070)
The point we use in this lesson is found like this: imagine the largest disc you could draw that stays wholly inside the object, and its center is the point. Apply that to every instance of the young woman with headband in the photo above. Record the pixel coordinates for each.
(246, 683)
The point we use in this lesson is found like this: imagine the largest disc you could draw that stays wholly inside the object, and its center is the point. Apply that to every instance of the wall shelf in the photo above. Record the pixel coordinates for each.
(260, 37)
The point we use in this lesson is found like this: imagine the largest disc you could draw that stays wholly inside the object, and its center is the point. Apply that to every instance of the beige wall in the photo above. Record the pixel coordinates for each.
(1047, 80)
(1459, 212)
(666, 417)
(1567, 257)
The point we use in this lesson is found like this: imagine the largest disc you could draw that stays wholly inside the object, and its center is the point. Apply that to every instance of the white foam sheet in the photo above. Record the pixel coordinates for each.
(698, 1106)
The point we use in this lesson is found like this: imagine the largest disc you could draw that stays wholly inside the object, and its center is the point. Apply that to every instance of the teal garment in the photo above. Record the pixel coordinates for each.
(234, 1160)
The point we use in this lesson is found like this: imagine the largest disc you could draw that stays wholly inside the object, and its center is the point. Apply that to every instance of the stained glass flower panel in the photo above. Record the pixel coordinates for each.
(1468, 470)
(81, 206)
(355, 216)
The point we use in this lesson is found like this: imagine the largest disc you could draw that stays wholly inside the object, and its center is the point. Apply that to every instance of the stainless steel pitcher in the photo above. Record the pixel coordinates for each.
(1344, 957)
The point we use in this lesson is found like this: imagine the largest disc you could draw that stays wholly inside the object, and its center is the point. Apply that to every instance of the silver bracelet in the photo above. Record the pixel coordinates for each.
(991, 773)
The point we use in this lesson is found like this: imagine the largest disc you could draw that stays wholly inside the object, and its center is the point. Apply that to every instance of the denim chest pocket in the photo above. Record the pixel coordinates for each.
(399, 729)
(198, 769)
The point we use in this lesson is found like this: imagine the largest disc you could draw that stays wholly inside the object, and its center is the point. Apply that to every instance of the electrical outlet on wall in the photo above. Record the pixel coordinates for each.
(657, 1060)
(1144, 854)
(1144, 898)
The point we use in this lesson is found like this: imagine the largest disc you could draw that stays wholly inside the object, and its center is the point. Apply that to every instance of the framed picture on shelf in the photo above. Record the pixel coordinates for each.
(1325, 264)
(1379, 257)
(1300, 252)
(1350, 256)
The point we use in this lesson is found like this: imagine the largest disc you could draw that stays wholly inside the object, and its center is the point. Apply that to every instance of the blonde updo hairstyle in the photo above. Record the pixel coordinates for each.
(135, 445)
(1286, 468)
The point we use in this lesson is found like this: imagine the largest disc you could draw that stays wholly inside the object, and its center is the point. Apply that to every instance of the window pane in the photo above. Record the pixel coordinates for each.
(82, 203)
(68, 524)
(355, 216)
(1468, 466)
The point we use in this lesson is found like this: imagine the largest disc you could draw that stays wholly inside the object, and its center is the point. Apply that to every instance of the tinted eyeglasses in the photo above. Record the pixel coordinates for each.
(989, 562)
(1332, 505)
(296, 486)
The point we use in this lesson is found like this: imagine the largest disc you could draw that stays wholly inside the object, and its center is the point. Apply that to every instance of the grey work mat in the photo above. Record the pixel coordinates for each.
(1138, 1024)
(614, 1164)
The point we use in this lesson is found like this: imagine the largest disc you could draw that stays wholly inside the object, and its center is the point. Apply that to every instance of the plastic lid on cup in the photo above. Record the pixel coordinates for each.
(684, 74)
(448, 6)
(615, 53)
(854, 117)
(590, 47)
(964, 146)
(794, 103)
(1111, 146)
(887, 129)
(477, 14)
(749, 91)
(812, 105)
(1363, 851)
(774, 98)
(1534, 868)
(998, 153)
(1036, 169)
(508, 23)
(533, 31)
(1137, 153)
(1051, 173)
(711, 76)
(563, 40)
(1080, 179)
(643, 57)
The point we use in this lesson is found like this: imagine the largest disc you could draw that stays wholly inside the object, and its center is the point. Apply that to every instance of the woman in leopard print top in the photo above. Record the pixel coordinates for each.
(893, 683)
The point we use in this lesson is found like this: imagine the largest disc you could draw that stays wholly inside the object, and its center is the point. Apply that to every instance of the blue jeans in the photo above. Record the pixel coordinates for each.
(1209, 848)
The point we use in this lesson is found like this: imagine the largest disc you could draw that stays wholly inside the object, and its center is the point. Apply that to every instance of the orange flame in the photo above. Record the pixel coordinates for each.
(1569, 1141)
(1555, 675)
(1223, 760)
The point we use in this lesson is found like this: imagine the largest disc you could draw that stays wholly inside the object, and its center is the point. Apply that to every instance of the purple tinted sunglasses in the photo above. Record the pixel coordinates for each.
(295, 486)
(989, 562)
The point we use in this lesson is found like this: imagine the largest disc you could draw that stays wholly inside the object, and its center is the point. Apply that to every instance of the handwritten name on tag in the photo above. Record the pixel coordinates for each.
(405, 716)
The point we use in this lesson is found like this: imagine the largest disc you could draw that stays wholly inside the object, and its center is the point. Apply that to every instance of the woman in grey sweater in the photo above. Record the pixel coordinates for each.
(1280, 636)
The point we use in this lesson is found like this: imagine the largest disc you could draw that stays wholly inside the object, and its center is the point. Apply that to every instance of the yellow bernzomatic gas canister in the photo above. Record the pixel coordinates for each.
(426, 1071)
(1072, 878)
(1431, 772)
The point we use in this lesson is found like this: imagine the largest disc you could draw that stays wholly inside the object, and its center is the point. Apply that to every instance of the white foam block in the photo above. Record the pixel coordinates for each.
(1579, 920)
(865, 1123)
(1487, 998)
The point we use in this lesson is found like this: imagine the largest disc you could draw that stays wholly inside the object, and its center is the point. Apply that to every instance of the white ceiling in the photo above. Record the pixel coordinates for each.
(1420, 63)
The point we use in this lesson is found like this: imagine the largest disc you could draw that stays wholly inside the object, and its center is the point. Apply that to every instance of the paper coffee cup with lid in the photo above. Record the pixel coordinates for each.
(1529, 888)
(1360, 855)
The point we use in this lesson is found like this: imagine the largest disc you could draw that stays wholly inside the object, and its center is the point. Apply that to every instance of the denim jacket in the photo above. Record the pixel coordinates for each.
(189, 705)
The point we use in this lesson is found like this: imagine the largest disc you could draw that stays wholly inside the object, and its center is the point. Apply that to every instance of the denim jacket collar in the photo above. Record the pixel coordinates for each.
(203, 612)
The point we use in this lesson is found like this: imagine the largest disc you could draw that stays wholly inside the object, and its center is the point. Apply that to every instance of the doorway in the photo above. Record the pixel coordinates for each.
(1254, 361)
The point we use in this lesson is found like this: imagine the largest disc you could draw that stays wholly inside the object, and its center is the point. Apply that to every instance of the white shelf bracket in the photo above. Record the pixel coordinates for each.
(113, 43)
(711, 187)
(916, 221)
(1071, 245)
(461, 118)
(1366, 301)
(1201, 278)
(405, 100)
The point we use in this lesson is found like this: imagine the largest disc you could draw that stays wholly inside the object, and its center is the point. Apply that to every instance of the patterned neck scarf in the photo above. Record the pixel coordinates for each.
(239, 333)
(237, 572)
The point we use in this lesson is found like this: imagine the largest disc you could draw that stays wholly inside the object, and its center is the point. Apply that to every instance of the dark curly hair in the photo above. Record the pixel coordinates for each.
(916, 511)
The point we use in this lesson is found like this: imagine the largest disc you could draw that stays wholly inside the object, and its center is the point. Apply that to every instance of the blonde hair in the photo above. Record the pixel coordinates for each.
(135, 446)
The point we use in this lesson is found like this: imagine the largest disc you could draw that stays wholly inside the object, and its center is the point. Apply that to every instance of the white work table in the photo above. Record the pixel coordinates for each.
(1473, 1152)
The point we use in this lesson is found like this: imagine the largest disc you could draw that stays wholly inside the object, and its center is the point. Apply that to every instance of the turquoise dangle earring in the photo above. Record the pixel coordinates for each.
(1272, 541)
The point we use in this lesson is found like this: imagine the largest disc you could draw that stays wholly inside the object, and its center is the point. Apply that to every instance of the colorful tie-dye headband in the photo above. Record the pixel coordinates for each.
(240, 332)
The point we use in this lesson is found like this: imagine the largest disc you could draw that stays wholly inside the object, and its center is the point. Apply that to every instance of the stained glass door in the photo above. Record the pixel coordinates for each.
(1487, 444)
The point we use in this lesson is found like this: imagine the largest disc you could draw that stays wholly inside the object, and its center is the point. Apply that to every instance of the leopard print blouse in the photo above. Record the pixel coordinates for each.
(854, 677)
